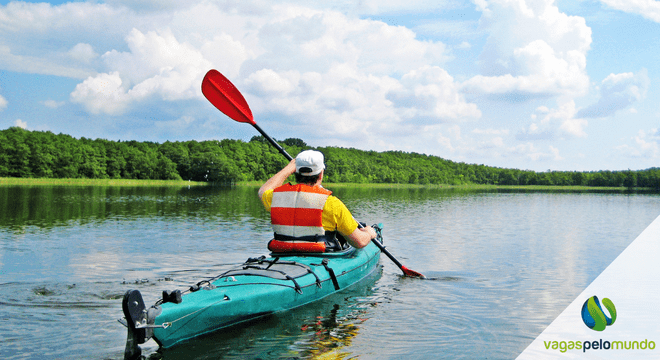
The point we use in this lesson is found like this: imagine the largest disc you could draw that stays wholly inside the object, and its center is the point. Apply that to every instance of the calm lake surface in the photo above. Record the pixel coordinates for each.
(502, 265)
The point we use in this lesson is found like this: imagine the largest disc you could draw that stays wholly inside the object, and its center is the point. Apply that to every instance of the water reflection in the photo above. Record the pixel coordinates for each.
(48, 206)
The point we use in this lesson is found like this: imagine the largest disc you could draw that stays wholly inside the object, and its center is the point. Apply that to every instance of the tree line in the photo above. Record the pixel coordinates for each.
(43, 154)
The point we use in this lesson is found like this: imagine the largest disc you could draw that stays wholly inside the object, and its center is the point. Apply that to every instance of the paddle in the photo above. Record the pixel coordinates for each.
(408, 272)
(226, 97)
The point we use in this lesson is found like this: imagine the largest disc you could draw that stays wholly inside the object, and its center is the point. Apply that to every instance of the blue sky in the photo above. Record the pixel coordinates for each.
(528, 84)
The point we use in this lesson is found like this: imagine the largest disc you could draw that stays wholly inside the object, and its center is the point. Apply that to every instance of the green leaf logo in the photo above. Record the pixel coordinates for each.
(593, 315)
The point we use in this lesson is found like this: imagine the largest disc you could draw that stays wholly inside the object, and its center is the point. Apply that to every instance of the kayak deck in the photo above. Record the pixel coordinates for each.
(260, 287)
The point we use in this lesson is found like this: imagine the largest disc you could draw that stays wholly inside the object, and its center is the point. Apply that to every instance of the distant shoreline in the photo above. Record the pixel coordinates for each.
(5, 181)
(9, 181)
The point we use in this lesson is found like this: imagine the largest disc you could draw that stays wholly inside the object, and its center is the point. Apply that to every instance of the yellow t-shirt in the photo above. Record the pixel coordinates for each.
(335, 214)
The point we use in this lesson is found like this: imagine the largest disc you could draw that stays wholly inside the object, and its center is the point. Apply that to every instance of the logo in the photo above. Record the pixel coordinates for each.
(593, 315)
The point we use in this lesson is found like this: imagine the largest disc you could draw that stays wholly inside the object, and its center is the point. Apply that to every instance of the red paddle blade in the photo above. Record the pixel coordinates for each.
(411, 273)
(226, 97)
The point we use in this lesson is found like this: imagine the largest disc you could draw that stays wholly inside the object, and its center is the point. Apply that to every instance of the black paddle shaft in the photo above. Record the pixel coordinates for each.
(273, 142)
(386, 252)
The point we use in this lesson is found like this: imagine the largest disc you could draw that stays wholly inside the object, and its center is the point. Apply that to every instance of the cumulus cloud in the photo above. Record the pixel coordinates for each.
(269, 82)
(312, 40)
(104, 93)
(646, 144)
(337, 102)
(159, 63)
(226, 54)
(617, 92)
(3, 103)
(430, 93)
(83, 52)
(21, 124)
(532, 50)
(156, 65)
(551, 123)
(325, 72)
(649, 9)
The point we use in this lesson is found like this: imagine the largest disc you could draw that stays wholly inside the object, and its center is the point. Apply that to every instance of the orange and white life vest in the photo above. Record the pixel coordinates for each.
(296, 215)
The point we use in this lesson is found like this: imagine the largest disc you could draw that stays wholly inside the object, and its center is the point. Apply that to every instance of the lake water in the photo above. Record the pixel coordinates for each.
(501, 266)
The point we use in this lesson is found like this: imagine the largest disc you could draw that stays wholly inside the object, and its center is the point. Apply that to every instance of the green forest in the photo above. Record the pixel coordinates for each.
(43, 154)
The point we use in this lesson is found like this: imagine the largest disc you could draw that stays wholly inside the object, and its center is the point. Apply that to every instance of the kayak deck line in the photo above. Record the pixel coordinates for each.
(259, 287)
(319, 284)
(256, 301)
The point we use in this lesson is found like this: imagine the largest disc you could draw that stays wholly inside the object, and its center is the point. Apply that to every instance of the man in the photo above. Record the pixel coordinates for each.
(305, 216)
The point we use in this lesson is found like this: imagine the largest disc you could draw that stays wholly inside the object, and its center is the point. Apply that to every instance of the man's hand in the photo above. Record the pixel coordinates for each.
(278, 179)
(371, 231)
(361, 237)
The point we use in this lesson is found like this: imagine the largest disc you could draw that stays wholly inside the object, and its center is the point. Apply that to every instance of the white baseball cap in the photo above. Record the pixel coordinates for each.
(309, 163)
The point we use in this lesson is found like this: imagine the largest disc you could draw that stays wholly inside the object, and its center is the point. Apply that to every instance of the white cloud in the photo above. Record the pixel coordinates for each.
(104, 93)
(267, 81)
(21, 124)
(532, 50)
(309, 40)
(156, 65)
(555, 153)
(338, 102)
(83, 52)
(551, 123)
(649, 9)
(617, 92)
(159, 64)
(430, 93)
(226, 54)
(646, 144)
(38, 65)
(3, 103)
(338, 84)
(53, 104)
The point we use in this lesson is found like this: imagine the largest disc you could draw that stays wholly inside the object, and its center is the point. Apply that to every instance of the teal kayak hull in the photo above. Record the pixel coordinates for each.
(245, 294)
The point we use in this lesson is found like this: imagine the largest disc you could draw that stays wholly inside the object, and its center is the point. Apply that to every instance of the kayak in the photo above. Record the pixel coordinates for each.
(259, 287)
